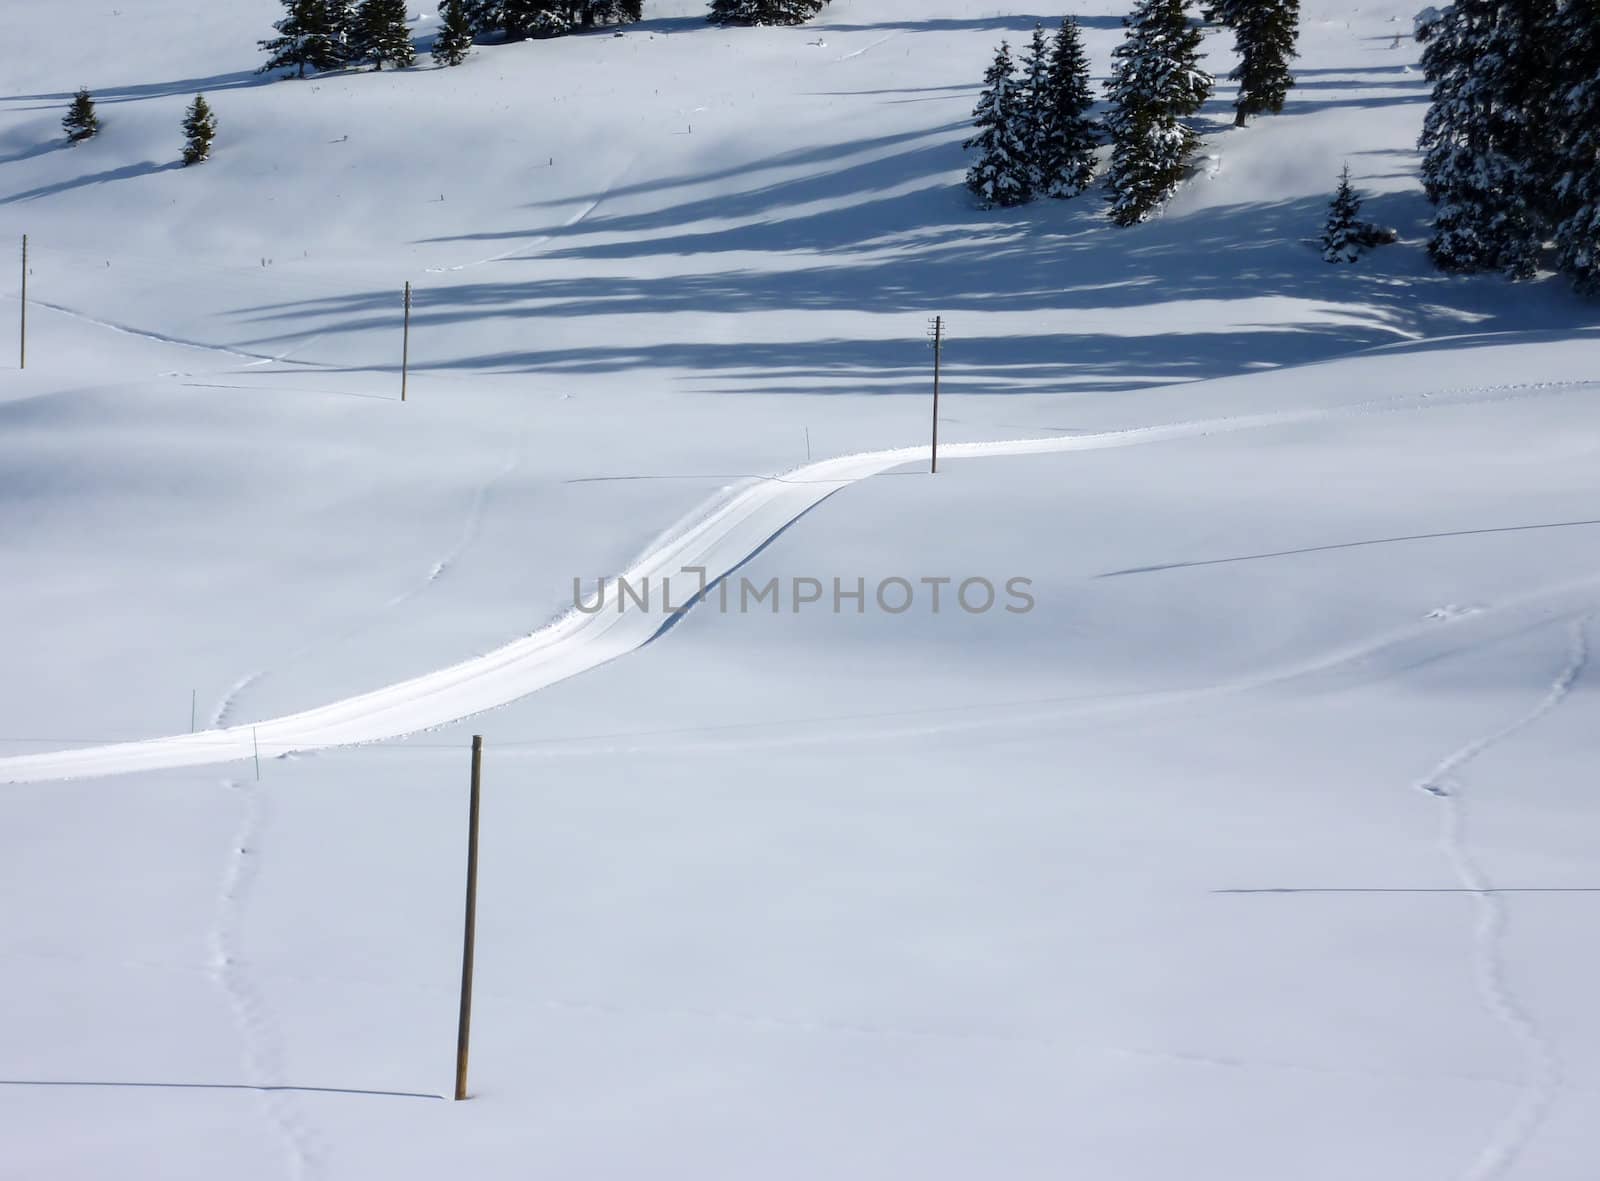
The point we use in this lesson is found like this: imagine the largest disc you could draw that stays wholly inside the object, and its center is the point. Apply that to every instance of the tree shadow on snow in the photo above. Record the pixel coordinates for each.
(882, 226)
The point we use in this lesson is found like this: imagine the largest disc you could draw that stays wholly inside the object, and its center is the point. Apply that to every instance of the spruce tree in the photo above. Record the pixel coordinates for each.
(309, 35)
(1343, 236)
(1000, 176)
(1033, 108)
(484, 16)
(1265, 34)
(609, 12)
(199, 129)
(1572, 163)
(1156, 84)
(80, 122)
(1067, 155)
(454, 39)
(1489, 64)
(734, 12)
(382, 35)
(764, 12)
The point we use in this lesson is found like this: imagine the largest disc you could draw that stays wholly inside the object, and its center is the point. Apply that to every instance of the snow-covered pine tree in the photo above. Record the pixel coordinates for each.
(1344, 233)
(1000, 176)
(1033, 108)
(346, 31)
(309, 35)
(199, 129)
(485, 16)
(80, 122)
(1265, 35)
(382, 35)
(734, 12)
(1156, 83)
(522, 19)
(1227, 12)
(1489, 62)
(591, 13)
(790, 12)
(1574, 166)
(1068, 153)
(454, 40)
(764, 12)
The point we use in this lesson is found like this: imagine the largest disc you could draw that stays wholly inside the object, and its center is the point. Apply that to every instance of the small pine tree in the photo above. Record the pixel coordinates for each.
(454, 41)
(734, 12)
(1156, 83)
(80, 121)
(199, 129)
(1067, 155)
(1343, 236)
(1000, 176)
(1265, 33)
(382, 35)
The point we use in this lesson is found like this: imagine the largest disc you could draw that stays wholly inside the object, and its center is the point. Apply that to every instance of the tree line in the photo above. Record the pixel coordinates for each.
(1035, 133)
(326, 35)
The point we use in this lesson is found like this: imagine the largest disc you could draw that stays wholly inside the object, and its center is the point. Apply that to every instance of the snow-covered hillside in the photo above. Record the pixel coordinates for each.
(1261, 846)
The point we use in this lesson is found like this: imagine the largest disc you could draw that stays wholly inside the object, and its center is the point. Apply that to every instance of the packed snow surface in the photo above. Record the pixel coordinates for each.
(1261, 846)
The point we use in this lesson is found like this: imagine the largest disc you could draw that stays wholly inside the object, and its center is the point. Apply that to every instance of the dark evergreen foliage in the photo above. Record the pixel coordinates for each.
(454, 39)
(1156, 84)
(80, 122)
(1489, 64)
(1033, 107)
(1002, 174)
(199, 129)
(381, 34)
(1265, 35)
(1570, 159)
(310, 35)
(764, 12)
(1066, 155)
(1341, 237)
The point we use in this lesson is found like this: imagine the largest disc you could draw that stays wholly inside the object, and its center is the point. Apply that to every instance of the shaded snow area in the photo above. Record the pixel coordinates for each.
(1247, 834)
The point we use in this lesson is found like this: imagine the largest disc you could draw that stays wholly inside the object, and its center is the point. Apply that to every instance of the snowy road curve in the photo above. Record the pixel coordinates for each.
(724, 536)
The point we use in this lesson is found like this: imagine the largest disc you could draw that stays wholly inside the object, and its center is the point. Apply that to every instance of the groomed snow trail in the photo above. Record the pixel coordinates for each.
(730, 532)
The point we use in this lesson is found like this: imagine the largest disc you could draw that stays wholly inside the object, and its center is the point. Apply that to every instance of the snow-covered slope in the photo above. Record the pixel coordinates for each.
(796, 895)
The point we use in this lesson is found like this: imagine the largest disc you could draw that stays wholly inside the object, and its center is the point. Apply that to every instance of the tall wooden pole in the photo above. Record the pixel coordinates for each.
(464, 1029)
(405, 345)
(23, 362)
(938, 357)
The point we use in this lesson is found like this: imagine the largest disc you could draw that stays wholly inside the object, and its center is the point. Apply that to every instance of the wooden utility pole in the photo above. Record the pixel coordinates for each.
(464, 1029)
(405, 345)
(23, 362)
(938, 353)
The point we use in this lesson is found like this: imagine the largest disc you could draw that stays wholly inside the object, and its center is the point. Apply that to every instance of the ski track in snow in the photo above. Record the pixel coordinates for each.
(261, 1041)
(723, 539)
(1542, 1080)
(865, 49)
(469, 534)
(161, 338)
(540, 239)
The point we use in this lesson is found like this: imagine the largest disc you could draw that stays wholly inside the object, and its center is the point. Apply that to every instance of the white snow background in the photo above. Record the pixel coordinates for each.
(1315, 552)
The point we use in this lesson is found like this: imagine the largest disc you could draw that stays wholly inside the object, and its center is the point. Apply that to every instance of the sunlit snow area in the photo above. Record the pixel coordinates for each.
(1261, 846)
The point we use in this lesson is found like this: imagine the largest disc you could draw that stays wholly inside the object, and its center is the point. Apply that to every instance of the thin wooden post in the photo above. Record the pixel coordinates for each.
(938, 356)
(23, 362)
(194, 701)
(405, 344)
(256, 744)
(470, 927)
